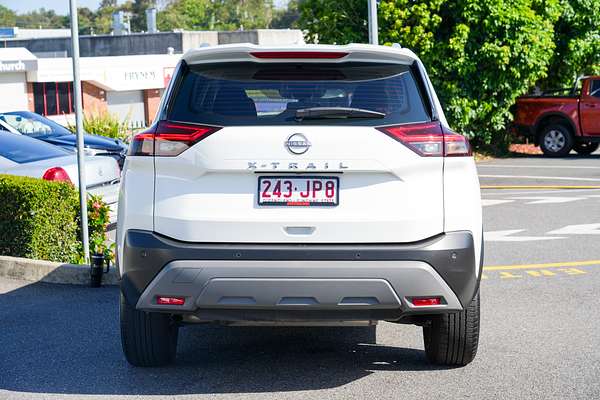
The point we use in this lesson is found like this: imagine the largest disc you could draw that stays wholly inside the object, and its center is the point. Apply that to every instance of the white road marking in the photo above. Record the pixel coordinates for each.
(548, 199)
(536, 166)
(564, 178)
(582, 229)
(509, 192)
(505, 236)
(491, 202)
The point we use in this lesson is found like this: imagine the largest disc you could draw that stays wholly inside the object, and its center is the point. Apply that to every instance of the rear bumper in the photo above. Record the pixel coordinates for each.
(298, 281)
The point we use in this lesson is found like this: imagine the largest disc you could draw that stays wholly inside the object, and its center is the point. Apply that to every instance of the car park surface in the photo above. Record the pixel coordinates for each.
(539, 326)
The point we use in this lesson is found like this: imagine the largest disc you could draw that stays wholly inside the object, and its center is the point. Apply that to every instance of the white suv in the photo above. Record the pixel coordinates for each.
(299, 185)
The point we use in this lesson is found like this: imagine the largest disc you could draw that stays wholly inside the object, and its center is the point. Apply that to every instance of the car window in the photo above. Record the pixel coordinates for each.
(27, 126)
(32, 124)
(248, 93)
(23, 149)
(595, 88)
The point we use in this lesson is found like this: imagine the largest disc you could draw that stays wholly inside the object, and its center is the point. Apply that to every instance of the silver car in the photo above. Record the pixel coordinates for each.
(22, 155)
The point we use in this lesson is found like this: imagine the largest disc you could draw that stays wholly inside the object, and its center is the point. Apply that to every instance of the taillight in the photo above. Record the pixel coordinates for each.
(56, 174)
(430, 139)
(169, 139)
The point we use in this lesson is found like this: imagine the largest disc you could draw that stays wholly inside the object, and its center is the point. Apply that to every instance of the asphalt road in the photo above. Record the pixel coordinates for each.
(539, 338)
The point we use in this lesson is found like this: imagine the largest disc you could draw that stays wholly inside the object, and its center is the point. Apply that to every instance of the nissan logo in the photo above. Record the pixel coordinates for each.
(297, 143)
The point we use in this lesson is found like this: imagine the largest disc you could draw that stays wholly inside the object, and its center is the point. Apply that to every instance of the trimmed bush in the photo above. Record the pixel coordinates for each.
(38, 219)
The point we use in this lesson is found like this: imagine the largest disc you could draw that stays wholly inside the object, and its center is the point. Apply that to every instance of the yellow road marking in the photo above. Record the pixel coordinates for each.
(508, 275)
(540, 187)
(542, 272)
(546, 265)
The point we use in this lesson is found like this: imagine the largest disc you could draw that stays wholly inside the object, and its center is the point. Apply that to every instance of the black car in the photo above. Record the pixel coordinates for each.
(39, 127)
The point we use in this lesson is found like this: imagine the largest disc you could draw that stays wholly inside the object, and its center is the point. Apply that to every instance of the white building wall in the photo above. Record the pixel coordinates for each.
(127, 106)
(13, 91)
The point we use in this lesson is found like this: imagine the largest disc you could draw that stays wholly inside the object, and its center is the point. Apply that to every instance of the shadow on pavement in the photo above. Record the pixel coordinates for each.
(572, 156)
(65, 339)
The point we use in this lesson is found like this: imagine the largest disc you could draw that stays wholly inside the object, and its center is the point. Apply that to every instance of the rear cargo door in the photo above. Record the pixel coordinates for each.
(293, 152)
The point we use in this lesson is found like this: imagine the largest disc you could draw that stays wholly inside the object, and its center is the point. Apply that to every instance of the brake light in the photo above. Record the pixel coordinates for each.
(168, 139)
(170, 301)
(56, 174)
(299, 54)
(430, 139)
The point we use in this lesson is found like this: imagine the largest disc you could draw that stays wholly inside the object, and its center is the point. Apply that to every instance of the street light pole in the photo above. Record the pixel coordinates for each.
(373, 29)
(79, 129)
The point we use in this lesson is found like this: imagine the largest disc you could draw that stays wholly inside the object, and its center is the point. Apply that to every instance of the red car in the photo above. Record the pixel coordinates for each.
(562, 120)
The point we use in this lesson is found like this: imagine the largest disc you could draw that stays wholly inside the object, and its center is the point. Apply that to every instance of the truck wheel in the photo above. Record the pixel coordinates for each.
(452, 339)
(556, 140)
(148, 339)
(585, 148)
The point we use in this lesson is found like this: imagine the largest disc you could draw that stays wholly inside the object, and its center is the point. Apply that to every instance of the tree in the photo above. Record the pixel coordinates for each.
(185, 14)
(334, 21)
(577, 35)
(138, 17)
(216, 14)
(480, 54)
(86, 19)
(42, 18)
(287, 17)
(8, 18)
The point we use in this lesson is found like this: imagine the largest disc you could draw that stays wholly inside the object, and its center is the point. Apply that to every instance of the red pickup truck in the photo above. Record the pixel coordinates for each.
(562, 120)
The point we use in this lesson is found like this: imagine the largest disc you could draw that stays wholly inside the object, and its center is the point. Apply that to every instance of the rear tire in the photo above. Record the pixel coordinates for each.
(452, 339)
(556, 140)
(148, 339)
(585, 148)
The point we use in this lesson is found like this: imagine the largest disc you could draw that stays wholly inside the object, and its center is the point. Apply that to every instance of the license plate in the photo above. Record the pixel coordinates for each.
(304, 191)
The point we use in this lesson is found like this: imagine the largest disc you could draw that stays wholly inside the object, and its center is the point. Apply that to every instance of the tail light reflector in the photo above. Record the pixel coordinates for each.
(56, 174)
(430, 139)
(299, 54)
(170, 301)
(169, 139)
(427, 301)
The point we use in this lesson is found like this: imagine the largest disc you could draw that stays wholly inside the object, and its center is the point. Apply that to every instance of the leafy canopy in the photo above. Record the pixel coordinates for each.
(481, 54)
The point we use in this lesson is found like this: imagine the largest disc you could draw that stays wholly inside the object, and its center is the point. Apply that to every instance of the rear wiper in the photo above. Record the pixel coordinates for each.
(335, 112)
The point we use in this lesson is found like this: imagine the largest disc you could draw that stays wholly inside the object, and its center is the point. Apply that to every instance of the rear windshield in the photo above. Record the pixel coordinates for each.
(21, 149)
(248, 93)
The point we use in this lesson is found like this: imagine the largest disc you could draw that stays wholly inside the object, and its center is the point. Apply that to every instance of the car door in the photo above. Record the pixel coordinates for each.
(590, 108)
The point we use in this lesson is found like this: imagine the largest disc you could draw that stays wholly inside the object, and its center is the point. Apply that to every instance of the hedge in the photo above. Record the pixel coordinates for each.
(38, 219)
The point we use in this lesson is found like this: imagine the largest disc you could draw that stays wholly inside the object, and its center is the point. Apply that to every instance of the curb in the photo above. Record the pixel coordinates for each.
(51, 272)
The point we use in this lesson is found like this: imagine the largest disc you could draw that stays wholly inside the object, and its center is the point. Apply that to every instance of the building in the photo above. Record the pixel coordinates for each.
(124, 75)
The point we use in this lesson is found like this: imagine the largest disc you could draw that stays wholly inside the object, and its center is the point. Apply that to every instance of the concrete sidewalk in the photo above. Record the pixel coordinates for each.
(51, 272)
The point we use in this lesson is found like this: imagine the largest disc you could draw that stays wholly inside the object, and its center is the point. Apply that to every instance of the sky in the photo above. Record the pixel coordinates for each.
(61, 7)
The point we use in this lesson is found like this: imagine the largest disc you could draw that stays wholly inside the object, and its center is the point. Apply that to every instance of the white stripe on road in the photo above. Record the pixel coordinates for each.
(583, 229)
(505, 236)
(491, 202)
(509, 192)
(535, 166)
(564, 178)
(547, 199)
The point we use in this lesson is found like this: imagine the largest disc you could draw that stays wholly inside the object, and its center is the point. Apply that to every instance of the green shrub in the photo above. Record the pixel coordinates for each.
(104, 124)
(98, 221)
(38, 219)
